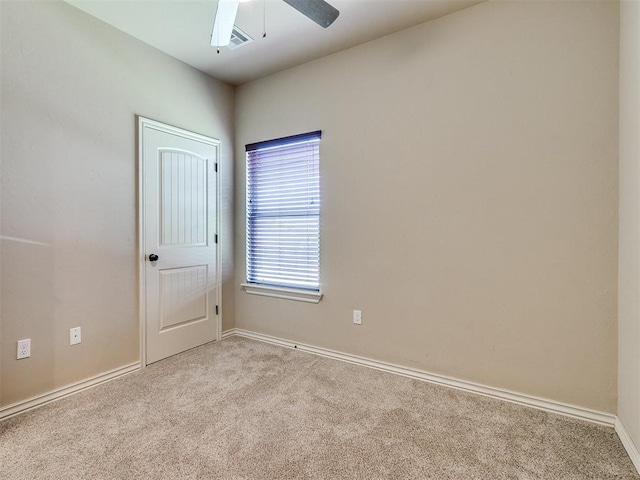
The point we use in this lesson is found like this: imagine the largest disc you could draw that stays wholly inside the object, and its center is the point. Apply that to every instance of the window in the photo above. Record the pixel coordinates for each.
(283, 217)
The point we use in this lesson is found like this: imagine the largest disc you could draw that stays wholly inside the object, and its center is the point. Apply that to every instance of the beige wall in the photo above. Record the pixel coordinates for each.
(629, 219)
(469, 178)
(71, 87)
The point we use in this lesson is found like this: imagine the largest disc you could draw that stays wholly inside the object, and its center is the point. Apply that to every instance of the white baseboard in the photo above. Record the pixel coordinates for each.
(57, 394)
(228, 333)
(628, 443)
(547, 405)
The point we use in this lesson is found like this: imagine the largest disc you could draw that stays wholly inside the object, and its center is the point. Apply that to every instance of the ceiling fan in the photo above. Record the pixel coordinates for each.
(317, 10)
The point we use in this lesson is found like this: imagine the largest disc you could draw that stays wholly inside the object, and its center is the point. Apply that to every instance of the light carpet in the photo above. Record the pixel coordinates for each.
(241, 409)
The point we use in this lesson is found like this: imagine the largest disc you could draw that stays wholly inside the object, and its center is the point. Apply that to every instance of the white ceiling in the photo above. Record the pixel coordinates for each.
(182, 29)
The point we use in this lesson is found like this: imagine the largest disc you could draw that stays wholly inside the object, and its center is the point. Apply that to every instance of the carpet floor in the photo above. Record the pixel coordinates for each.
(241, 409)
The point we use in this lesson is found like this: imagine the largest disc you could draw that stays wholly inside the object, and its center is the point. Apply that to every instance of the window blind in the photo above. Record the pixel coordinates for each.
(283, 212)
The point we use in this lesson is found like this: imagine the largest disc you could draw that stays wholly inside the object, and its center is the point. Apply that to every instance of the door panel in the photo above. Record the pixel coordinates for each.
(183, 296)
(181, 288)
(183, 198)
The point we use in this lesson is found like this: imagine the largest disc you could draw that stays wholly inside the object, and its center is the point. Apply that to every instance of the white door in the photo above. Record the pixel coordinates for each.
(179, 239)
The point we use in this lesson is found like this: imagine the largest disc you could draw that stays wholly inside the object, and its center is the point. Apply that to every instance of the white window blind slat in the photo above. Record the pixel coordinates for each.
(283, 212)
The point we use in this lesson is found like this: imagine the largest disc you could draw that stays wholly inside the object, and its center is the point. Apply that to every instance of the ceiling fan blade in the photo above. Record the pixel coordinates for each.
(223, 23)
(317, 10)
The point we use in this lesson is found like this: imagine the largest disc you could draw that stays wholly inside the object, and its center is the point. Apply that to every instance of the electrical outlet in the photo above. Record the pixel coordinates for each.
(75, 336)
(24, 348)
(357, 317)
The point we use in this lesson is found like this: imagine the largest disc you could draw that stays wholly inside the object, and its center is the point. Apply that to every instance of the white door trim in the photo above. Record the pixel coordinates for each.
(142, 314)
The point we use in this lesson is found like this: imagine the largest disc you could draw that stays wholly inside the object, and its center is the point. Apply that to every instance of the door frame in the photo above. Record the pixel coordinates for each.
(143, 122)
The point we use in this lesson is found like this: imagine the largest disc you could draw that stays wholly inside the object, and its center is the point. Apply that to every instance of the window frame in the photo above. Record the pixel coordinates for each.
(309, 295)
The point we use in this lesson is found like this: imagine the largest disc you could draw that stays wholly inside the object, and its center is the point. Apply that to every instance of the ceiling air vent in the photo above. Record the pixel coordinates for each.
(238, 38)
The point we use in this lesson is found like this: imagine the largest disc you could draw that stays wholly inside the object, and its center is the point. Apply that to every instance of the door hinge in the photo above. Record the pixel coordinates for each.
(217, 310)
(216, 238)
(216, 167)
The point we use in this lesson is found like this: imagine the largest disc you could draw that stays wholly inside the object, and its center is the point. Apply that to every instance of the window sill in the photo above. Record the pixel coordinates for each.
(307, 296)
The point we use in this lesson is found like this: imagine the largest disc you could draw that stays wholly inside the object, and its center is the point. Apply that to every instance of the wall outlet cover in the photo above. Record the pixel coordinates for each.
(24, 348)
(75, 336)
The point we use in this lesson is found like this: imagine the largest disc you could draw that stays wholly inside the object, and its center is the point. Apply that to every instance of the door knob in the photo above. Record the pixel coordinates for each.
(153, 257)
